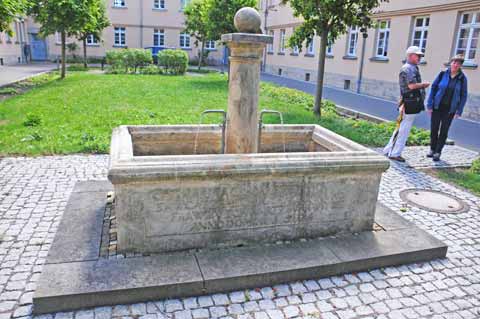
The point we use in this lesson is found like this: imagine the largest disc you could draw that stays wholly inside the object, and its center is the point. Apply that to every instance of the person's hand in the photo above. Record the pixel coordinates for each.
(456, 116)
(426, 84)
(429, 112)
(401, 109)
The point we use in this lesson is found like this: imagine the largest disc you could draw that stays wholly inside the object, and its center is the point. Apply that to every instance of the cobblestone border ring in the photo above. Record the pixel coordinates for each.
(434, 201)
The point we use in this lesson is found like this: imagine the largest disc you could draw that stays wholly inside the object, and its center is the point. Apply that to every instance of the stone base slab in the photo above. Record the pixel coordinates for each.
(75, 277)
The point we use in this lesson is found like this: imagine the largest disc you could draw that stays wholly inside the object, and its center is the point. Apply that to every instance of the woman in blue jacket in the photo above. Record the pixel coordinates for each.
(446, 101)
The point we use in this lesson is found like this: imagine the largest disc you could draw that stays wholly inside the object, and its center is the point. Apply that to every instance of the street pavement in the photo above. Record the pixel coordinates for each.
(464, 132)
(13, 73)
(34, 192)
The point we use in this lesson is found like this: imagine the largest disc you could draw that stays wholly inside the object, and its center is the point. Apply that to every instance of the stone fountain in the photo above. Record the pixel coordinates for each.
(202, 209)
(169, 199)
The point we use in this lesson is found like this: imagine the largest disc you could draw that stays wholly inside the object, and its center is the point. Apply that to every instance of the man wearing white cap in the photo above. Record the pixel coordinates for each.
(412, 91)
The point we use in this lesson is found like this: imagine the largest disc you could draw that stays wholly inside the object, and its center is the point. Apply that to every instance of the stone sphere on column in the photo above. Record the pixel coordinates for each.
(247, 20)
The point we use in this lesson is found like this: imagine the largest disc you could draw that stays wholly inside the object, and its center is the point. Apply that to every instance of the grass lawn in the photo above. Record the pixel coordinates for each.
(465, 178)
(77, 115)
(460, 177)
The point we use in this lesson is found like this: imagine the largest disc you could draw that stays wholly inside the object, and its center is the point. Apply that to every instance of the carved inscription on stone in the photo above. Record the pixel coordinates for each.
(202, 208)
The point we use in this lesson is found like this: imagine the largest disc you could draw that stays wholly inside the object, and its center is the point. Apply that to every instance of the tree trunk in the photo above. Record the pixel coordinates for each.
(320, 72)
(64, 40)
(85, 65)
(200, 58)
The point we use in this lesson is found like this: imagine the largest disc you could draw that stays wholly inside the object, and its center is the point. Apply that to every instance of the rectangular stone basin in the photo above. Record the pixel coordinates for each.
(168, 199)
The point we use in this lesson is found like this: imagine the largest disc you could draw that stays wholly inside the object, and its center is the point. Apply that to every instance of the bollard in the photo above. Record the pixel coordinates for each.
(1, 61)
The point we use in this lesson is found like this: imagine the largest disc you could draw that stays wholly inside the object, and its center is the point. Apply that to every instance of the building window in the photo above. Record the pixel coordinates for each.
(270, 45)
(468, 34)
(184, 40)
(210, 45)
(420, 32)
(295, 48)
(159, 4)
(382, 38)
(17, 33)
(92, 40)
(352, 41)
(158, 37)
(184, 3)
(310, 47)
(120, 36)
(281, 48)
(329, 48)
(119, 3)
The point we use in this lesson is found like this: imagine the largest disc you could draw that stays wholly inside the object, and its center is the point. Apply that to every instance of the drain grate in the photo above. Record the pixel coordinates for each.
(434, 201)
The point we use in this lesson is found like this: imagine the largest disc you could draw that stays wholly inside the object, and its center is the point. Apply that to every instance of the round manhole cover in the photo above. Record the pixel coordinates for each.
(433, 201)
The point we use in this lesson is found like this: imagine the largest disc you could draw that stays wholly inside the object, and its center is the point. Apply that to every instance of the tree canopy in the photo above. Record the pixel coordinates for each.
(68, 17)
(220, 14)
(98, 21)
(94, 27)
(197, 25)
(196, 20)
(9, 11)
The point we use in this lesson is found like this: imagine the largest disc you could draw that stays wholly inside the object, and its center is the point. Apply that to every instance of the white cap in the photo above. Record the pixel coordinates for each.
(414, 50)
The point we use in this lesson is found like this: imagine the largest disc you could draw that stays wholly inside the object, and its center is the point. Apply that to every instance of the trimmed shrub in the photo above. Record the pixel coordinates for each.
(173, 61)
(475, 166)
(76, 67)
(115, 59)
(128, 60)
(150, 69)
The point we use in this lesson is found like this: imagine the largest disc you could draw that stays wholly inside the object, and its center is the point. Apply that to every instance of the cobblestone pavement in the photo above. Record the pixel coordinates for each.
(34, 192)
(452, 156)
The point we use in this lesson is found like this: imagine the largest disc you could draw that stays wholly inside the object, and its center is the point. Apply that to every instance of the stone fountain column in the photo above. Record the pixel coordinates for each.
(246, 49)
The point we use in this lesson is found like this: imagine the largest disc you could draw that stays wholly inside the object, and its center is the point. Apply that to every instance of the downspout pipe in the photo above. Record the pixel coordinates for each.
(20, 37)
(141, 24)
(264, 64)
(362, 59)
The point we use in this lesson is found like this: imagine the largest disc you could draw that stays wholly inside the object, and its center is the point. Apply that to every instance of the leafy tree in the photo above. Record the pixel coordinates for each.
(9, 11)
(220, 14)
(327, 19)
(68, 17)
(94, 27)
(197, 25)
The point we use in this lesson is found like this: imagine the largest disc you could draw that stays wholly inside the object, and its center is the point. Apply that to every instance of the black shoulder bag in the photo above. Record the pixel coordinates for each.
(413, 102)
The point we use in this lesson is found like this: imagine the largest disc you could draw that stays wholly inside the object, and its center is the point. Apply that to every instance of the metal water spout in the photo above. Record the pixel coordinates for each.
(260, 126)
(223, 126)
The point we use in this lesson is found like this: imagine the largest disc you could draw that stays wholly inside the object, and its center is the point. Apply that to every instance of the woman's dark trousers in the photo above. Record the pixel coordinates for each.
(439, 129)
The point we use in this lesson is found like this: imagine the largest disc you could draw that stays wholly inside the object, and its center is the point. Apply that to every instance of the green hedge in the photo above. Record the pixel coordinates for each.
(173, 61)
(475, 166)
(128, 60)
